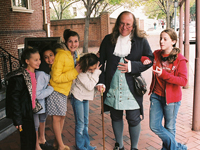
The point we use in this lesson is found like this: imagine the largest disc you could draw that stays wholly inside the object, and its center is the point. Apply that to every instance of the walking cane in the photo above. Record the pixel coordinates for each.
(102, 113)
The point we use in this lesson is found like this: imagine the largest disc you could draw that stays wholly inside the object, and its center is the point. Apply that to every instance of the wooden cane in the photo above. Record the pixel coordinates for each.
(102, 114)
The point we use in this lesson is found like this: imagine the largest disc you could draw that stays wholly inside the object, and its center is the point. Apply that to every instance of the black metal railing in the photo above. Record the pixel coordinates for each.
(8, 63)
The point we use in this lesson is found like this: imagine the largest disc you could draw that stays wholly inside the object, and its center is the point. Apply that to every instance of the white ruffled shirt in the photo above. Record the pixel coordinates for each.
(123, 48)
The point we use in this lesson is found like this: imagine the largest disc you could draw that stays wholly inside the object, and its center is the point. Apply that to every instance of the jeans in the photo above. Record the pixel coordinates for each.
(39, 118)
(81, 114)
(158, 110)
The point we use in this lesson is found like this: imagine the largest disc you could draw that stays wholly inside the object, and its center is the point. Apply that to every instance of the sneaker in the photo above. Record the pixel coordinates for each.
(91, 147)
(182, 146)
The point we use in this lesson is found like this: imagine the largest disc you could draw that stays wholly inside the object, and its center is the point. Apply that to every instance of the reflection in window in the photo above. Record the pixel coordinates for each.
(20, 48)
(20, 53)
(20, 3)
(21, 6)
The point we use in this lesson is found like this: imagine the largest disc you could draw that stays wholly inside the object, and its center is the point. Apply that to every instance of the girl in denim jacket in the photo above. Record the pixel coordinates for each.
(43, 90)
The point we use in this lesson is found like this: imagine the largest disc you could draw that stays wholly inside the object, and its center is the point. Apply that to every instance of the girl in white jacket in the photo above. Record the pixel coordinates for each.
(81, 92)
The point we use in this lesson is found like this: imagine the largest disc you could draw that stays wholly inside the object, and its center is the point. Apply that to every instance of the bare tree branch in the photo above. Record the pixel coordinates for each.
(162, 5)
(94, 5)
(71, 4)
(85, 4)
(55, 10)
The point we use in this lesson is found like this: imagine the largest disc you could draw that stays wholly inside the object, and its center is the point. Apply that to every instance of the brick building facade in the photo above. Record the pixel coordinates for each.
(98, 29)
(18, 22)
(18, 19)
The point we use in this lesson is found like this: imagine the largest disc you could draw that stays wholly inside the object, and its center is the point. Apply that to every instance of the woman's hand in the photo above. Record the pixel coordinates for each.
(78, 68)
(146, 62)
(98, 65)
(123, 66)
(100, 88)
(158, 71)
(19, 128)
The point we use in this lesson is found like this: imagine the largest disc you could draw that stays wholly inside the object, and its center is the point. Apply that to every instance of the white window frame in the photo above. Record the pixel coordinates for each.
(26, 9)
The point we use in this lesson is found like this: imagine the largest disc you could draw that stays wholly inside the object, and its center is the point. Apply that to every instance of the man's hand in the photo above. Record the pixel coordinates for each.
(100, 88)
(123, 66)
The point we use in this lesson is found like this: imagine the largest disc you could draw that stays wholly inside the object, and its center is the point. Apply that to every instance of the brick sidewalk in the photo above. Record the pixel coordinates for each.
(148, 140)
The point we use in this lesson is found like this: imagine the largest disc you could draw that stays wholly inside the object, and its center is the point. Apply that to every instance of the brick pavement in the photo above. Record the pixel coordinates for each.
(148, 140)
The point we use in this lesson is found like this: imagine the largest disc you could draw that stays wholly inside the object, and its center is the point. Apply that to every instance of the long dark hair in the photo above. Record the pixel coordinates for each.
(44, 66)
(175, 51)
(87, 60)
(135, 32)
(26, 54)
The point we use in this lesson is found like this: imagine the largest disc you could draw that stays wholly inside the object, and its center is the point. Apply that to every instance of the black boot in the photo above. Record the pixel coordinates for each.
(134, 149)
(117, 147)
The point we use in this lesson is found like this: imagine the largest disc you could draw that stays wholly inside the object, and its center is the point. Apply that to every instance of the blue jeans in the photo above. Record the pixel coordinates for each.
(158, 110)
(81, 114)
(39, 118)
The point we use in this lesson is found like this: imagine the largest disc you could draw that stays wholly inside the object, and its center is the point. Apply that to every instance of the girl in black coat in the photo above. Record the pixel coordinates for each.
(20, 98)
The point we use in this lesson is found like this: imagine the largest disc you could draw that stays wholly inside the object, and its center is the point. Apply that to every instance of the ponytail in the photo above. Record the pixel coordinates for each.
(175, 51)
(67, 33)
(173, 54)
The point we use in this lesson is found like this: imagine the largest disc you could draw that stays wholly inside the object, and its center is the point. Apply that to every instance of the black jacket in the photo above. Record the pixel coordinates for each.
(18, 98)
(19, 106)
(140, 47)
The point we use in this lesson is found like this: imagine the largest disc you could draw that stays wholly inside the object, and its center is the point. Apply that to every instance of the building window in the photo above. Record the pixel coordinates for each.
(21, 6)
(74, 11)
(20, 50)
(20, 3)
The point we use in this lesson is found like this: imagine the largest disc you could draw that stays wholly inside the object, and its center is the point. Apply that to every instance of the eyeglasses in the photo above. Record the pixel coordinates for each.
(121, 24)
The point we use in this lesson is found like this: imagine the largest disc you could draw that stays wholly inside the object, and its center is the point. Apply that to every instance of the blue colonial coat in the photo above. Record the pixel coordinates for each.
(139, 47)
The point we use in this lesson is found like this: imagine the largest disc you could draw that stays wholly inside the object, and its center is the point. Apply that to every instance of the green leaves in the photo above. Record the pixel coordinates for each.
(193, 12)
(60, 9)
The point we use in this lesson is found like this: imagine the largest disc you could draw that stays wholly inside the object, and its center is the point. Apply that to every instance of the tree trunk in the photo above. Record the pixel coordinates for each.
(86, 33)
(87, 23)
(167, 22)
(171, 24)
(61, 11)
(167, 17)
